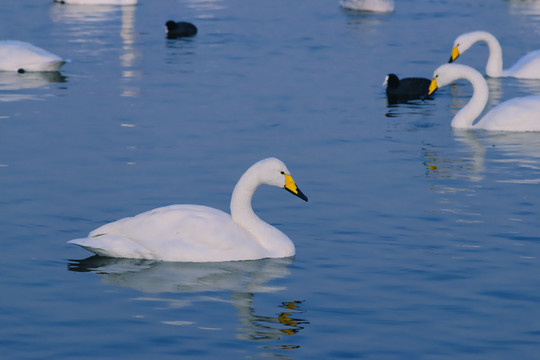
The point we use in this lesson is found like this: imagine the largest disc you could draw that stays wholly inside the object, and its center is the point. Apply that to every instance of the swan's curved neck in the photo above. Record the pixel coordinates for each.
(494, 66)
(242, 213)
(241, 210)
(465, 117)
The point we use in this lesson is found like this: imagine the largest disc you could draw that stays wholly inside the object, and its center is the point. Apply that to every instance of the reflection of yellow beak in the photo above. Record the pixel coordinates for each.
(455, 54)
(292, 188)
(432, 86)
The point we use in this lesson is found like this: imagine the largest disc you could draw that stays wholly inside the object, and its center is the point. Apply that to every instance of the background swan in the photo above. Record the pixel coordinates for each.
(518, 114)
(368, 5)
(22, 56)
(194, 233)
(97, 2)
(528, 67)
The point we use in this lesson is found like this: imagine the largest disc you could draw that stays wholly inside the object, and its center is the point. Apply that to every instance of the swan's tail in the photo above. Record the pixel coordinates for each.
(113, 246)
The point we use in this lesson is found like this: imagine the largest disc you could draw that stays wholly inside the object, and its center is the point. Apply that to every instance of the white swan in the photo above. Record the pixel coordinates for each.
(22, 56)
(518, 114)
(194, 233)
(97, 2)
(382, 6)
(528, 67)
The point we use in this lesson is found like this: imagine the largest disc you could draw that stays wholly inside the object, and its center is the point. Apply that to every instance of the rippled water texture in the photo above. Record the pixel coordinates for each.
(418, 242)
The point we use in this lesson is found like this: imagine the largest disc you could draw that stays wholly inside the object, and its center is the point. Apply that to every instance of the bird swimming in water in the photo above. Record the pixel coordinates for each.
(97, 2)
(195, 233)
(528, 67)
(376, 6)
(23, 57)
(517, 114)
(180, 29)
(401, 91)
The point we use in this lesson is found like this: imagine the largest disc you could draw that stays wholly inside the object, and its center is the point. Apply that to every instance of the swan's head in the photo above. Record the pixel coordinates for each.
(447, 73)
(464, 41)
(442, 76)
(273, 172)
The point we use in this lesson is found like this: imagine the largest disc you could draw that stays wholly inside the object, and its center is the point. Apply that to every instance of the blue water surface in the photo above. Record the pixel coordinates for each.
(418, 242)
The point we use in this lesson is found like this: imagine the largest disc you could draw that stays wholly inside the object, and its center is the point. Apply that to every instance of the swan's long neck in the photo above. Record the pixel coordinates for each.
(241, 210)
(242, 213)
(494, 66)
(465, 117)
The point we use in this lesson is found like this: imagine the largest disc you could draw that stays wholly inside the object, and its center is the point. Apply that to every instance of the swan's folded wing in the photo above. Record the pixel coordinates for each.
(174, 233)
(518, 114)
(528, 67)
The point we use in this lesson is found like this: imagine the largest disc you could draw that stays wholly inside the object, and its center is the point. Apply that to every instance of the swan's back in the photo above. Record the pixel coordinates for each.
(518, 114)
(97, 2)
(368, 5)
(528, 67)
(19, 55)
(174, 233)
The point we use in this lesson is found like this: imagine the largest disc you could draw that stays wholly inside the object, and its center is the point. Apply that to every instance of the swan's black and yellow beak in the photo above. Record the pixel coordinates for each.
(454, 55)
(291, 187)
(432, 86)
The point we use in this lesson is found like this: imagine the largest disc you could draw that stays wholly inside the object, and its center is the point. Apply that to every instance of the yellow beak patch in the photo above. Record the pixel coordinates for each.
(290, 186)
(432, 86)
(454, 55)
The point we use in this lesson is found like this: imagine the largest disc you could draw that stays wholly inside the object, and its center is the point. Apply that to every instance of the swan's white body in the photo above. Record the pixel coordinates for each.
(518, 114)
(368, 5)
(528, 67)
(194, 233)
(98, 2)
(23, 56)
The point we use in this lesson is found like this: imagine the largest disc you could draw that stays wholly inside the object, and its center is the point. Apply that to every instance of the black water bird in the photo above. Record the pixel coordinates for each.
(404, 90)
(180, 29)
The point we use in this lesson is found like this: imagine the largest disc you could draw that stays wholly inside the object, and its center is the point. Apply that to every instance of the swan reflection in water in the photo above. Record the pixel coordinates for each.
(12, 81)
(242, 278)
(502, 156)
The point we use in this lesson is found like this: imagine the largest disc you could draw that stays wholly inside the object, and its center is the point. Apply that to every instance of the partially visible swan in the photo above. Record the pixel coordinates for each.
(368, 5)
(402, 90)
(528, 67)
(180, 29)
(517, 114)
(97, 2)
(22, 56)
(194, 233)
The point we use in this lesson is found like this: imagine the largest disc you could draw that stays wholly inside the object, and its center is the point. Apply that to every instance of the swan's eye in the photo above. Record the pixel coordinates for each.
(283, 173)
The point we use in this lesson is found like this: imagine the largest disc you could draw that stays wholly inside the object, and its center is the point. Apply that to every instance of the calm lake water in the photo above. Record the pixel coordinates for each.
(418, 242)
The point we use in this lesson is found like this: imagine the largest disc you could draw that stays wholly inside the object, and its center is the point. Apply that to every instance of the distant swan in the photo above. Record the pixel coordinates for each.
(97, 2)
(368, 5)
(528, 67)
(403, 90)
(517, 114)
(22, 56)
(194, 233)
(180, 29)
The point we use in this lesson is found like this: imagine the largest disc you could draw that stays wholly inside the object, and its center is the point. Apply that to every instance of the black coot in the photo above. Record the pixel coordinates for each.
(180, 29)
(398, 91)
